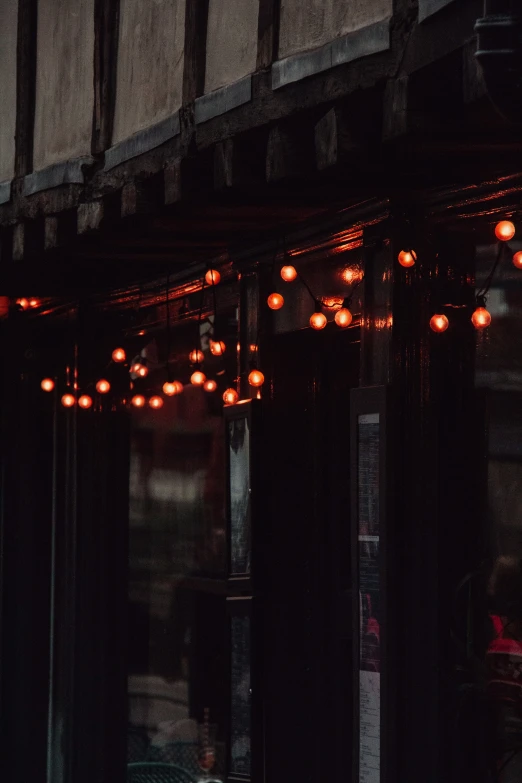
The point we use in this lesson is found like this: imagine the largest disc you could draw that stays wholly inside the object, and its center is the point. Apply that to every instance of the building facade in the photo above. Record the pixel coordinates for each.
(260, 303)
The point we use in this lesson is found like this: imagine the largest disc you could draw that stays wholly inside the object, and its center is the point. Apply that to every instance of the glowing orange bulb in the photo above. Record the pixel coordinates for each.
(256, 378)
(275, 301)
(195, 357)
(33, 303)
(517, 259)
(407, 258)
(210, 386)
(85, 401)
(288, 273)
(156, 402)
(141, 370)
(103, 386)
(230, 397)
(138, 401)
(439, 323)
(118, 355)
(217, 348)
(212, 277)
(481, 318)
(24, 303)
(318, 320)
(68, 400)
(348, 275)
(343, 317)
(198, 378)
(47, 384)
(505, 230)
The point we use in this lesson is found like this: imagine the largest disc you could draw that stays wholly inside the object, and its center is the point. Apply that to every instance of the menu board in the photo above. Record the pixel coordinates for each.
(241, 697)
(239, 462)
(368, 536)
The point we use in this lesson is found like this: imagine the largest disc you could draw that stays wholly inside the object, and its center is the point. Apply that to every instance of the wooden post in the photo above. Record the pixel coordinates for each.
(106, 27)
(25, 86)
(196, 20)
(268, 32)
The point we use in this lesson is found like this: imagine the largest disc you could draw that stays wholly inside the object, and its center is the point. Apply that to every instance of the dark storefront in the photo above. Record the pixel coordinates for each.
(261, 462)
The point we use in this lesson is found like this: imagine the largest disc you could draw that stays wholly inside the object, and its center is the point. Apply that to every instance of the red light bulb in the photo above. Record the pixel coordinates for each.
(439, 323)
(275, 301)
(230, 397)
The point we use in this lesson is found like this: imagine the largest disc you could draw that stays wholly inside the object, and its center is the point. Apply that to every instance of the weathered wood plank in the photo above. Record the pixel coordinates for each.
(268, 32)
(89, 216)
(196, 20)
(26, 85)
(326, 141)
(106, 23)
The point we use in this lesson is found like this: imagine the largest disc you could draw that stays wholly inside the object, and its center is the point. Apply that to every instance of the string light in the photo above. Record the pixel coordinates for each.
(103, 386)
(172, 388)
(230, 397)
(439, 323)
(343, 317)
(517, 259)
(141, 370)
(23, 303)
(407, 258)
(348, 275)
(275, 301)
(196, 356)
(481, 318)
(47, 384)
(212, 277)
(288, 273)
(118, 355)
(318, 319)
(198, 378)
(210, 386)
(156, 402)
(138, 401)
(217, 347)
(256, 378)
(33, 302)
(505, 230)
(68, 400)
(85, 402)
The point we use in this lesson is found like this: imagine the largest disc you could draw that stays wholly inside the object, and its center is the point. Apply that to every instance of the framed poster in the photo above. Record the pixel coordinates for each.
(369, 480)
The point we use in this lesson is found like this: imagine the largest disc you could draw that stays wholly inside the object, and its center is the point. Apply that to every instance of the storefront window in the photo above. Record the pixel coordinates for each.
(178, 664)
(499, 384)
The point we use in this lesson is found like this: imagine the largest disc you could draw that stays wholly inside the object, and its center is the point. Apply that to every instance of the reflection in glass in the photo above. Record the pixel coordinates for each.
(177, 554)
(240, 751)
(239, 449)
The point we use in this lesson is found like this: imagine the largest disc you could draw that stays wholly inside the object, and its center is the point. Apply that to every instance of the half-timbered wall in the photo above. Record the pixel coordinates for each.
(64, 81)
(231, 41)
(8, 32)
(308, 24)
(150, 64)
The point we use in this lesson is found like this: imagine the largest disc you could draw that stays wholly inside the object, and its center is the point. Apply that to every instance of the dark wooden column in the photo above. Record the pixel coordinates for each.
(268, 32)
(106, 29)
(25, 86)
(196, 20)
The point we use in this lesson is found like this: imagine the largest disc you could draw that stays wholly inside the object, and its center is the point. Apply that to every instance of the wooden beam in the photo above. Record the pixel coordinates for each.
(106, 28)
(25, 85)
(268, 32)
(196, 20)
(290, 151)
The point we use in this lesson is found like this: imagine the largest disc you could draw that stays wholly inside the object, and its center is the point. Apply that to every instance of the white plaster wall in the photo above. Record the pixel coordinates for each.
(8, 34)
(231, 41)
(308, 24)
(64, 81)
(149, 80)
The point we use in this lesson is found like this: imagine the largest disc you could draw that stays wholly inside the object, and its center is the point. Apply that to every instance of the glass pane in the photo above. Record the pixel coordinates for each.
(177, 691)
(240, 761)
(239, 448)
(369, 595)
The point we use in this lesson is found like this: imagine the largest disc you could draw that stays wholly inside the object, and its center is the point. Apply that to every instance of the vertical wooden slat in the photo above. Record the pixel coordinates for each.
(26, 85)
(106, 25)
(268, 32)
(196, 20)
